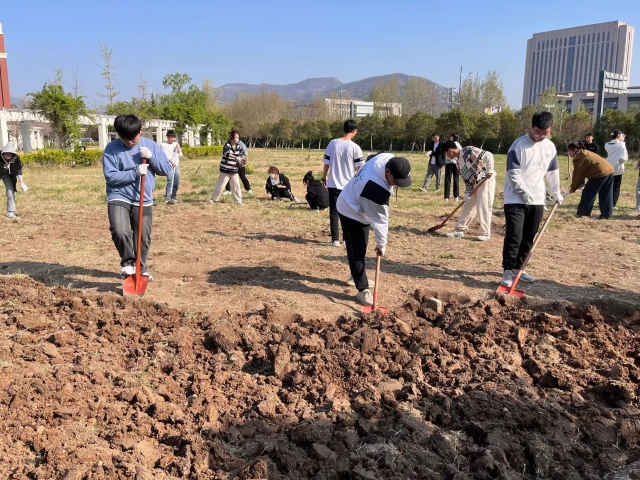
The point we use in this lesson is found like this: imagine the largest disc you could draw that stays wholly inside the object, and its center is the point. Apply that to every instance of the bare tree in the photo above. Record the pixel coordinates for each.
(106, 72)
(143, 86)
(58, 77)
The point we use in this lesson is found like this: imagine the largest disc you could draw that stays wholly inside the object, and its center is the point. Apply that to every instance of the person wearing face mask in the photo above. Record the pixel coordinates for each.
(278, 186)
(617, 156)
(232, 160)
(11, 175)
(530, 160)
(123, 169)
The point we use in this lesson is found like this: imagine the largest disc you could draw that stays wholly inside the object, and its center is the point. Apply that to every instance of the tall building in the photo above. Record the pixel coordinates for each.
(571, 59)
(5, 99)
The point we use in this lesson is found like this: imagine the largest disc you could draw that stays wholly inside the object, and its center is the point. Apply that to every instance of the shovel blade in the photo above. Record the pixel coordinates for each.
(510, 291)
(135, 285)
(369, 309)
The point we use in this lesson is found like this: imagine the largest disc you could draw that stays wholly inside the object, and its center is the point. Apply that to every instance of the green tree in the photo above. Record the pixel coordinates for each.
(176, 82)
(486, 127)
(63, 110)
(524, 117)
(393, 129)
(370, 128)
(509, 129)
(455, 121)
(420, 126)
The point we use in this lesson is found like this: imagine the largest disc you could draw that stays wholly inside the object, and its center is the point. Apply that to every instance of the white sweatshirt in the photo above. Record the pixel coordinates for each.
(617, 155)
(366, 197)
(528, 164)
(171, 151)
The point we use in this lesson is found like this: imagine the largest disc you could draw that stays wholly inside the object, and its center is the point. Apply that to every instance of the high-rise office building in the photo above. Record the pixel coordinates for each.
(571, 59)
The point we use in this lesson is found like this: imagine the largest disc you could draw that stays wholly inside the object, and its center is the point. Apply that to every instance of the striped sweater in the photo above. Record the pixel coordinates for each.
(232, 158)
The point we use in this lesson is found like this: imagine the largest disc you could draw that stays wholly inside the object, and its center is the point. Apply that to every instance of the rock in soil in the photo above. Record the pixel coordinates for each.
(93, 385)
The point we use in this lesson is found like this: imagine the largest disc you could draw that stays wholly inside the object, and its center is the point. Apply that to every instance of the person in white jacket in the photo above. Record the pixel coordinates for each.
(617, 156)
(173, 152)
(530, 160)
(364, 204)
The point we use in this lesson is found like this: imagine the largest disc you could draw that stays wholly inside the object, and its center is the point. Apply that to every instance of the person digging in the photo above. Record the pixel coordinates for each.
(364, 204)
(476, 167)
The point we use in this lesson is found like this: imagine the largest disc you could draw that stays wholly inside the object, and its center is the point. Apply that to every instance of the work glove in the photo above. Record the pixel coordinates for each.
(528, 199)
(142, 169)
(466, 197)
(23, 187)
(146, 153)
(559, 198)
(380, 251)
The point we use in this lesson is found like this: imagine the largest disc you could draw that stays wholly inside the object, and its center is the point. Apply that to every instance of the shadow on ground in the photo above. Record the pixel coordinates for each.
(54, 274)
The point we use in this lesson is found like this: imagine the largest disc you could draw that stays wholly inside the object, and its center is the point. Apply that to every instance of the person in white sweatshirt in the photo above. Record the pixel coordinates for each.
(617, 156)
(530, 160)
(174, 153)
(364, 204)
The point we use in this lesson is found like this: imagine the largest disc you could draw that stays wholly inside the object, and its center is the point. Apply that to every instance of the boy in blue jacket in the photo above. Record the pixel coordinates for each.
(123, 169)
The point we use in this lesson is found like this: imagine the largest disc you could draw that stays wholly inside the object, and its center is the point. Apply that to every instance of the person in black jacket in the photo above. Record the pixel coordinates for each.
(278, 186)
(11, 175)
(436, 162)
(317, 196)
(588, 143)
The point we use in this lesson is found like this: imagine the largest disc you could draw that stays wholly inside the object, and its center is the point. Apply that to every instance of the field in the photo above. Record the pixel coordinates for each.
(248, 356)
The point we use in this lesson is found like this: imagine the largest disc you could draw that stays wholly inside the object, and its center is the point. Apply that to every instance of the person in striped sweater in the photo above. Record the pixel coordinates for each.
(232, 160)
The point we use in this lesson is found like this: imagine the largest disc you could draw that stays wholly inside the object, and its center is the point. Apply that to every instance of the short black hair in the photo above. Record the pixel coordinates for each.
(456, 137)
(350, 126)
(371, 155)
(542, 120)
(435, 134)
(273, 169)
(615, 134)
(449, 145)
(575, 146)
(127, 126)
(171, 133)
(588, 135)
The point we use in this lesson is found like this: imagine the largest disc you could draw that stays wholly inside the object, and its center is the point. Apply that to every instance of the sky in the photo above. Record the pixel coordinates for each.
(284, 41)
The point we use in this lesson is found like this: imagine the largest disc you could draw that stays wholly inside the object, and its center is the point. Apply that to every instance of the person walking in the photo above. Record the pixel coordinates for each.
(617, 156)
(317, 196)
(278, 186)
(530, 160)
(242, 170)
(174, 153)
(342, 159)
(11, 175)
(451, 171)
(475, 165)
(231, 161)
(589, 145)
(436, 162)
(123, 169)
(598, 173)
(364, 204)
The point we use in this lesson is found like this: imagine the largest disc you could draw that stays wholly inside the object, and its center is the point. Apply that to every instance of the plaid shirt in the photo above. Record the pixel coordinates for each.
(474, 164)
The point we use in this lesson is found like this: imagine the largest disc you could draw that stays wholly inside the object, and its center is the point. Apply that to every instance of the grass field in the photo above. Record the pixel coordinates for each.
(223, 257)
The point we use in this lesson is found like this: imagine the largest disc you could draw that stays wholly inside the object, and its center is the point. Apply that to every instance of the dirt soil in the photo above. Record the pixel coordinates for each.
(94, 385)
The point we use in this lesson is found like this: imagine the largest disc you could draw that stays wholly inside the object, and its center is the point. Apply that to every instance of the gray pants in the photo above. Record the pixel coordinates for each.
(11, 194)
(431, 171)
(123, 224)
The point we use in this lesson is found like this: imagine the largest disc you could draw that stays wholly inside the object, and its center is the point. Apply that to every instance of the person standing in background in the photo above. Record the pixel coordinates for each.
(436, 162)
(173, 152)
(617, 156)
(589, 145)
(231, 162)
(242, 170)
(451, 171)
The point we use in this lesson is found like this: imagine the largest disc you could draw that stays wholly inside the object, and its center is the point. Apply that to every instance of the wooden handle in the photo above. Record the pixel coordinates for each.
(140, 215)
(375, 286)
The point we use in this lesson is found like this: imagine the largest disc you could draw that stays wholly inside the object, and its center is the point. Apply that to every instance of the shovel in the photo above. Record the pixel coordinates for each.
(512, 289)
(444, 222)
(375, 307)
(137, 284)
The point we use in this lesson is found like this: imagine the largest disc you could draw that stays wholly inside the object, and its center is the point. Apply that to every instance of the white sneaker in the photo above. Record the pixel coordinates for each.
(147, 274)
(525, 277)
(454, 235)
(507, 278)
(127, 270)
(226, 192)
(335, 243)
(484, 238)
(423, 189)
(249, 192)
(365, 297)
(351, 283)
(12, 215)
(446, 199)
(212, 201)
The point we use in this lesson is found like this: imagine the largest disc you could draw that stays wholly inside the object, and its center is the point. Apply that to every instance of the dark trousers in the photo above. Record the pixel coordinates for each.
(356, 237)
(617, 181)
(603, 188)
(123, 224)
(522, 223)
(334, 218)
(277, 193)
(451, 170)
(242, 173)
(314, 202)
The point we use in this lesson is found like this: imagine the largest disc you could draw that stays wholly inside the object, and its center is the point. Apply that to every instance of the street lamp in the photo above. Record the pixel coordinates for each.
(460, 86)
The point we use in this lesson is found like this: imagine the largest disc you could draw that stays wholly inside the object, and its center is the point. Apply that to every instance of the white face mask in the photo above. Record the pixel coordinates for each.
(274, 176)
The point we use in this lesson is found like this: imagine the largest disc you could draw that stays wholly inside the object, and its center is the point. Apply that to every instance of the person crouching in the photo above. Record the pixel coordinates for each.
(278, 186)
(598, 173)
(317, 196)
(364, 204)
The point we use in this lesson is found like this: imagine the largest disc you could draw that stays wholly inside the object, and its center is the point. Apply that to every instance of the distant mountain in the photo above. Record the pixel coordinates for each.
(310, 88)
(14, 100)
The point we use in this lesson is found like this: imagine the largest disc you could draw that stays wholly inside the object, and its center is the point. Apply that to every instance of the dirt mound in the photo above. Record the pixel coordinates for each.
(96, 386)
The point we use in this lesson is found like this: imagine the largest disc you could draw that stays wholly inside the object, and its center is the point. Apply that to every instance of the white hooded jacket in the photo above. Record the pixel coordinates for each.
(616, 155)
(366, 198)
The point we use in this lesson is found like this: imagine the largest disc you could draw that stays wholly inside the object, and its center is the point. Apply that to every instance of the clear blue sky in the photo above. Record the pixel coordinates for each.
(285, 41)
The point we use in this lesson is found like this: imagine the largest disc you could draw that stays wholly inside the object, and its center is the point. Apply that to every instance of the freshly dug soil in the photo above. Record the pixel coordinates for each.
(98, 386)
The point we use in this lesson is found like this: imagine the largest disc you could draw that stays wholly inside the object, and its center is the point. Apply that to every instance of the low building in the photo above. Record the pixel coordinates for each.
(359, 108)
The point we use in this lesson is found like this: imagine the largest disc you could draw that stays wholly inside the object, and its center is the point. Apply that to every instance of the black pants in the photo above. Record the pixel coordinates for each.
(603, 188)
(522, 223)
(617, 181)
(451, 170)
(123, 224)
(334, 218)
(277, 193)
(314, 202)
(356, 237)
(242, 173)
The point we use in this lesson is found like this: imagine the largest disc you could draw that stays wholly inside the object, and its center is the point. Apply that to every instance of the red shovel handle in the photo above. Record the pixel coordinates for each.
(140, 216)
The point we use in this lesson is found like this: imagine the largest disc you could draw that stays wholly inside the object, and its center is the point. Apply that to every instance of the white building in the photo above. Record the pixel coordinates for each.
(359, 108)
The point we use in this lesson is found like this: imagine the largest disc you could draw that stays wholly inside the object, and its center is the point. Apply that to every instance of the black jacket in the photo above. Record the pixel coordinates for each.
(15, 169)
(271, 189)
(438, 153)
(317, 195)
(592, 147)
